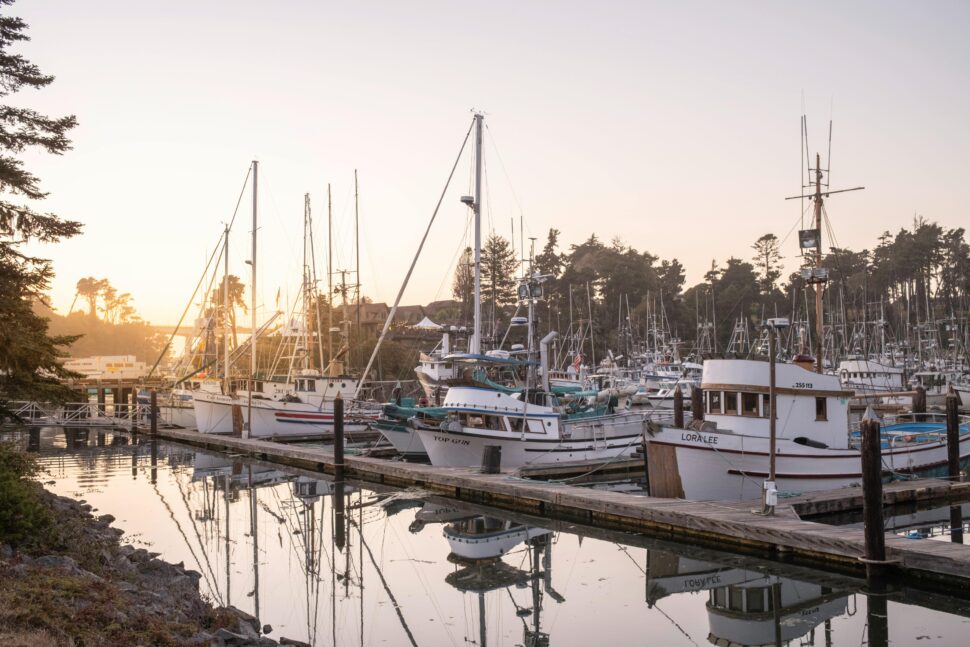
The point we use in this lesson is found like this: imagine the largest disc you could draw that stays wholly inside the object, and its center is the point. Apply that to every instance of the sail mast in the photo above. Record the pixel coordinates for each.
(820, 285)
(329, 276)
(252, 306)
(225, 311)
(475, 343)
(357, 253)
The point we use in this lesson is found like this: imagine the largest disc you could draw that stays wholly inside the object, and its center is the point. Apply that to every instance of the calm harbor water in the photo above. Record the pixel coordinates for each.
(402, 568)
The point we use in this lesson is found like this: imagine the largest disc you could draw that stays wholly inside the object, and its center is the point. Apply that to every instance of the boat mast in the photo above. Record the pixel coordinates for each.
(475, 343)
(357, 253)
(225, 311)
(252, 306)
(329, 277)
(820, 284)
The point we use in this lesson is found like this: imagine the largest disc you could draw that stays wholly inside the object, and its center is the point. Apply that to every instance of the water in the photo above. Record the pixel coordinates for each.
(264, 540)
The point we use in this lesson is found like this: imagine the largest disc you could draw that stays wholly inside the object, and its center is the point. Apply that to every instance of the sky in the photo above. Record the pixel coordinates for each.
(671, 125)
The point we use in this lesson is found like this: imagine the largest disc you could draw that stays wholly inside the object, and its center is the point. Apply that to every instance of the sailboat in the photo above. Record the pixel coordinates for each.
(531, 423)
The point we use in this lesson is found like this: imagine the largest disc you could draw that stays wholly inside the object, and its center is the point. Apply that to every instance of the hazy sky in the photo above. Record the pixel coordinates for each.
(671, 125)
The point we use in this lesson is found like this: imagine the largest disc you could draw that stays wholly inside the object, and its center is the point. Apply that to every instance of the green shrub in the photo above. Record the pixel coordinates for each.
(23, 518)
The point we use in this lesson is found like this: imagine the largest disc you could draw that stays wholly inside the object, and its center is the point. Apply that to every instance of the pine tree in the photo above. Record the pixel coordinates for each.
(30, 359)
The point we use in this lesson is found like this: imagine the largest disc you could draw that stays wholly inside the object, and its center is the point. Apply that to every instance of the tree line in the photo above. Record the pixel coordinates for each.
(617, 295)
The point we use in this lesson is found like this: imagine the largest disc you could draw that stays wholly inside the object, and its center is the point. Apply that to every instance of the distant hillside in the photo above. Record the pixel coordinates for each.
(103, 338)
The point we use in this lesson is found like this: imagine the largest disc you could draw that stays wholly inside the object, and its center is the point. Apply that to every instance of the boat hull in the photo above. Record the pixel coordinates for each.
(279, 419)
(214, 413)
(457, 449)
(406, 440)
(709, 466)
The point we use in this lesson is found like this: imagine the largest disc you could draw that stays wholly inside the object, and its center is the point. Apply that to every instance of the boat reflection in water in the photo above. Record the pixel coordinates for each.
(747, 607)
(477, 547)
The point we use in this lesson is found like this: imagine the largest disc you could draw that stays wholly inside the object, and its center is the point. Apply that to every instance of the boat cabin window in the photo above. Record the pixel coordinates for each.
(749, 404)
(306, 385)
(479, 421)
(766, 406)
(258, 387)
(821, 409)
(713, 401)
(731, 403)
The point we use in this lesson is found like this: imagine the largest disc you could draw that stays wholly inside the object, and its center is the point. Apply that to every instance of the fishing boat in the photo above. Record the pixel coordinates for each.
(727, 456)
(745, 607)
(808, 442)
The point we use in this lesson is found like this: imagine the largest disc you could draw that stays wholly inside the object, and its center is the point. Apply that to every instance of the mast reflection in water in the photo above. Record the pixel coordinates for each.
(342, 564)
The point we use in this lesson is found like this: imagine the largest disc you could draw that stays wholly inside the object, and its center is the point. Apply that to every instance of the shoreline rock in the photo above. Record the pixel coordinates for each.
(88, 587)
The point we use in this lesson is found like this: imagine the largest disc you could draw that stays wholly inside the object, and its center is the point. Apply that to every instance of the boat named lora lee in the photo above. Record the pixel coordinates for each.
(727, 456)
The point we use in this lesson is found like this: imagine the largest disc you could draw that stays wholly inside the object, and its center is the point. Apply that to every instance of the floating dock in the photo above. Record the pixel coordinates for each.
(936, 564)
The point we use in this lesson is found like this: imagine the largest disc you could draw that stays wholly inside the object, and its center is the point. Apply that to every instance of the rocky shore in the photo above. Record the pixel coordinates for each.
(86, 588)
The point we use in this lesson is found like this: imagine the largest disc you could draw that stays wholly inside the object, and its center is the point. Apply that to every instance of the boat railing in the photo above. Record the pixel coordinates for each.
(910, 429)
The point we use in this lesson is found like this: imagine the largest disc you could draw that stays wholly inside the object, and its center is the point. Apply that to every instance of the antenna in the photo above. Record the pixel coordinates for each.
(828, 163)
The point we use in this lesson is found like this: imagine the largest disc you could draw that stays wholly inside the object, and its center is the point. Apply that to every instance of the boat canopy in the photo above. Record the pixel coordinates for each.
(475, 358)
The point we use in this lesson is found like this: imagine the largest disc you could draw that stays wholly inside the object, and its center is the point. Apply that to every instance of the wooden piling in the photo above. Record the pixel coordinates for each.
(153, 414)
(338, 438)
(953, 460)
(492, 459)
(697, 403)
(919, 403)
(678, 407)
(877, 616)
(875, 537)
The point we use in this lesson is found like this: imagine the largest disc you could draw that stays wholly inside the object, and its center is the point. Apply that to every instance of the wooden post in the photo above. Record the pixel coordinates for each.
(877, 616)
(492, 459)
(154, 412)
(875, 537)
(678, 407)
(697, 403)
(919, 403)
(646, 465)
(338, 438)
(953, 460)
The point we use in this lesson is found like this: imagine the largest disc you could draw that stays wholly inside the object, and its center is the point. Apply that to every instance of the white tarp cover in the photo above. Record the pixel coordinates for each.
(427, 324)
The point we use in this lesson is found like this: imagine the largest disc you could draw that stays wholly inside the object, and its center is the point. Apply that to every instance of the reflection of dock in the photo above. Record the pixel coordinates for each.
(712, 523)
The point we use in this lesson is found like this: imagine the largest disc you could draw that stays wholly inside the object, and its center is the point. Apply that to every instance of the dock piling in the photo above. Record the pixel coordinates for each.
(953, 460)
(919, 403)
(492, 459)
(338, 438)
(697, 403)
(678, 407)
(875, 539)
(153, 415)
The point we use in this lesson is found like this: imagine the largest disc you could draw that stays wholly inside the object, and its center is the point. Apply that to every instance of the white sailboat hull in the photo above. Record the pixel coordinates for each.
(279, 419)
(406, 441)
(457, 449)
(213, 413)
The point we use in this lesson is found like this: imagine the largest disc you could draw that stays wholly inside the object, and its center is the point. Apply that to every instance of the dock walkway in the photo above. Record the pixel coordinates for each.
(712, 524)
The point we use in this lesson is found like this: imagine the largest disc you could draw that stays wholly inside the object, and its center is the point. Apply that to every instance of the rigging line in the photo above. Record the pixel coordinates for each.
(674, 623)
(198, 537)
(171, 513)
(380, 574)
(242, 191)
(407, 277)
(501, 163)
(452, 265)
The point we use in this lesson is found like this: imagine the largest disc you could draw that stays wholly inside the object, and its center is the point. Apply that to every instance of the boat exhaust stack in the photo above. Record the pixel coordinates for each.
(544, 358)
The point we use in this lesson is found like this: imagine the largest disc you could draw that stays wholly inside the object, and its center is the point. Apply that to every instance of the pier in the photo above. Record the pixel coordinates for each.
(785, 535)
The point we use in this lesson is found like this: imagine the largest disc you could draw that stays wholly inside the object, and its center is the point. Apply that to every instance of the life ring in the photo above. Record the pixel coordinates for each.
(844, 375)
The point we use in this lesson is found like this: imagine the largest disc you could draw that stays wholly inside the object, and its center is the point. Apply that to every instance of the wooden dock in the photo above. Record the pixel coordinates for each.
(733, 525)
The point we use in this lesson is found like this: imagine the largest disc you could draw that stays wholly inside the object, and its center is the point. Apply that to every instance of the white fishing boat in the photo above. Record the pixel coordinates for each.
(745, 607)
(727, 457)
(870, 379)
